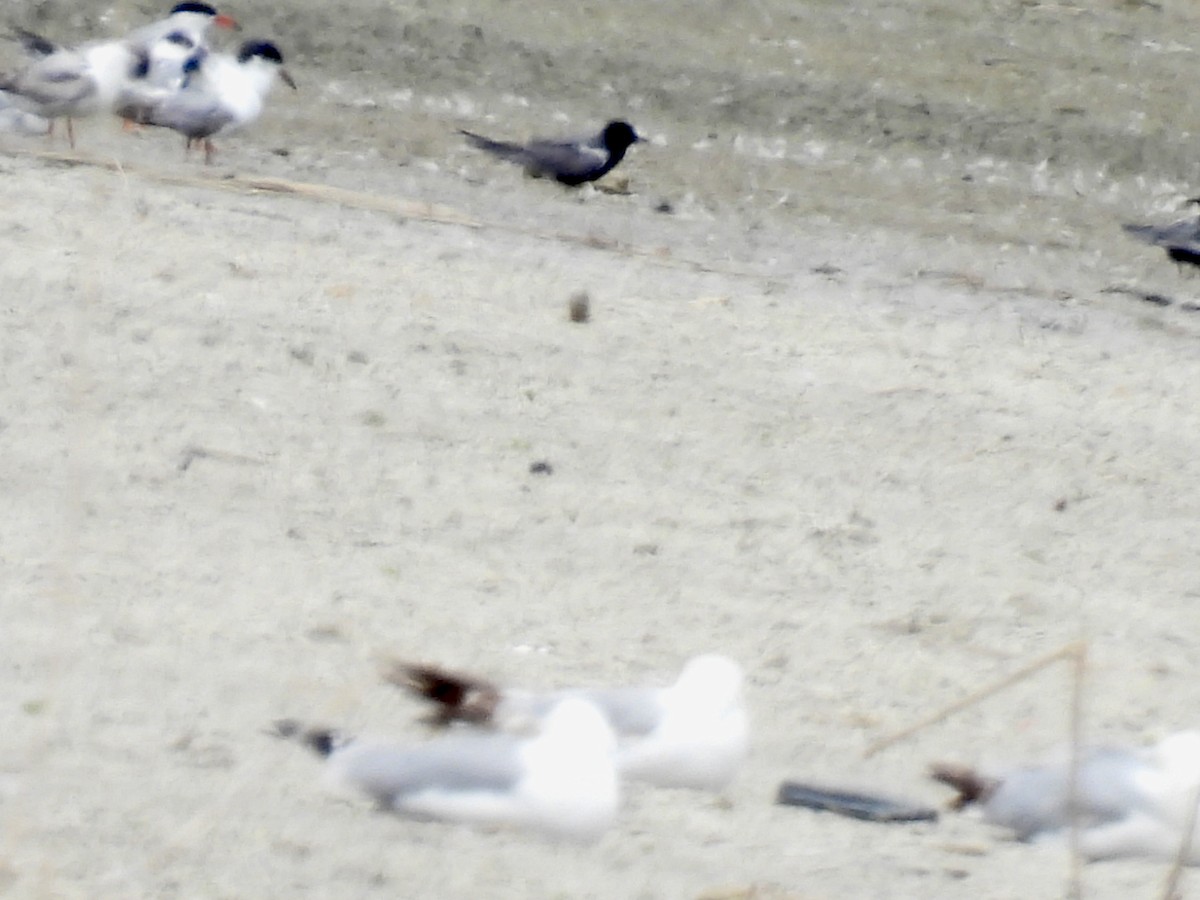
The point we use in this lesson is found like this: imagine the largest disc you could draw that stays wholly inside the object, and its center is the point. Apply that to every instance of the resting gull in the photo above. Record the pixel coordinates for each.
(560, 781)
(691, 734)
(1129, 802)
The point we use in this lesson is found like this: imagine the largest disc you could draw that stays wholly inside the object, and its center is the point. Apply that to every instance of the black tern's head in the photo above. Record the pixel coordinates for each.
(619, 135)
(267, 52)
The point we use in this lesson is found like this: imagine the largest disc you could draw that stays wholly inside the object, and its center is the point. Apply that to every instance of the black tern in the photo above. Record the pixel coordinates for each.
(1180, 240)
(569, 162)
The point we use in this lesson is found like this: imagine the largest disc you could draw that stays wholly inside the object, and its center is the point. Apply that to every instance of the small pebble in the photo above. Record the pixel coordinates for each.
(580, 307)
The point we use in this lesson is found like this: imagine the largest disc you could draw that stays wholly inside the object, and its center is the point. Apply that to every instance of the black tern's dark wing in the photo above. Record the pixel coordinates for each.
(570, 162)
(497, 148)
(1182, 233)
(1181, 240)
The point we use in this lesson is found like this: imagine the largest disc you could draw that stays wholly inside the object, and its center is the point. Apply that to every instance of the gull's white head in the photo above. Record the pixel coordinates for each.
(1170, 781)
(711, 680)
(570, 786)
(577, 722)
(703, 734)
(1180, 753)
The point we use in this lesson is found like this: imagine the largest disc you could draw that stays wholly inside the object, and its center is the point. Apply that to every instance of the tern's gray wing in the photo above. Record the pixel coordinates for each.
(193, 113)
(58, 80)
(1035, 799)
(15, 120)
(470, 763)
(34, 44)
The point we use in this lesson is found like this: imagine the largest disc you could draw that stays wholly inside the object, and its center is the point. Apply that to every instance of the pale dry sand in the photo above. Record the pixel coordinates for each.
(863, 414)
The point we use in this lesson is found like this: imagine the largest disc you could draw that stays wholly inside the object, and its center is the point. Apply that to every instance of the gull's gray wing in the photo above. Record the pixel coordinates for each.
(1035, 799)
(469, 763)
(632, 712)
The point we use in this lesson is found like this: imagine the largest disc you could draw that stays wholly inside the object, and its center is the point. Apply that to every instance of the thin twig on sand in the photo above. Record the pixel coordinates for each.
(1076, 653)
(1175, 875)
(1073, 651)
(416, 210)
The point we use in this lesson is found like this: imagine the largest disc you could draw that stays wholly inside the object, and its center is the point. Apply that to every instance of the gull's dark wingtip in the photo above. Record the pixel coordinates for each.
(971, 786)
(322, 741)
(457, 697)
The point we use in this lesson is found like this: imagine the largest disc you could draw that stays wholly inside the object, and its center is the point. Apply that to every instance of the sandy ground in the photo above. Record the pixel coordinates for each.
(874, 409)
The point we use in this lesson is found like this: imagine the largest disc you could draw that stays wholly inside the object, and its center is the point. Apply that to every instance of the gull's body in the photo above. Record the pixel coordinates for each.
(561, 781)
(693, 733)
(1128, 802)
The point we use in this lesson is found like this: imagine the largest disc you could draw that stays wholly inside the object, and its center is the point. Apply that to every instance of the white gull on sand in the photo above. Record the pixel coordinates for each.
(1129, 802)
(561, 781)
(693, 733)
